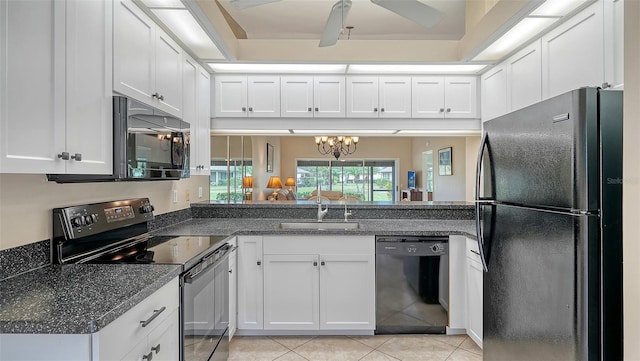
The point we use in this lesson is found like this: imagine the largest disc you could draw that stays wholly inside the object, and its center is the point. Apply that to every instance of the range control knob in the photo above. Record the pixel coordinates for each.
(434, 248)
(147, 208)
(90, 219)
(77, 221)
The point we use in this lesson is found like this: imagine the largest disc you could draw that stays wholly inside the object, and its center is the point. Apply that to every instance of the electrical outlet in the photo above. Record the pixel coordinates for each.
(175, 196)
(187, 196)
(199, 192)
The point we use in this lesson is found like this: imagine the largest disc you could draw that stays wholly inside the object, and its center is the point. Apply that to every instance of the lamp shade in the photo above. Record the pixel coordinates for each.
(247, 182)
(290, 182)
(274, 182)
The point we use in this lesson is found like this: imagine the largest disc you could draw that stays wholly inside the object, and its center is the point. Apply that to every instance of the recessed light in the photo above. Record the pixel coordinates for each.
(414, 68)
(277, 68)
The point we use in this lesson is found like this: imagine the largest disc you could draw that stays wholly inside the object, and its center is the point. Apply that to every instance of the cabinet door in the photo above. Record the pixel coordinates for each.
(328, 96)
(296, 97)
(291, 285)
(89, 105)
(250, 283)
(203, 133)
(133, 52)
(460, 97)
(570, 62)
(362, 96)
(614, 43)
(525, 77)
(427, 97)
(347, 292)
(263, 96)
(474, 300)
(494, 93)
(394, 96)
(190, 87)
(233, 289)
(168, 74)
(231, 96)
(32, 86)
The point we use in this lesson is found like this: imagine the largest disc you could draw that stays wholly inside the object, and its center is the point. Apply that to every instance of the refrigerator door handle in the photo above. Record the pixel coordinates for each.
(479, 202)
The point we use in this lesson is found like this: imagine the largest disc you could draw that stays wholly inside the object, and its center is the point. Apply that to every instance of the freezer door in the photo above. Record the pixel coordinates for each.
(541, 290)
(546, 154)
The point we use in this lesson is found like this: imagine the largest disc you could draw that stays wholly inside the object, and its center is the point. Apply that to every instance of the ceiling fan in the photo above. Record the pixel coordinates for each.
(413, 10)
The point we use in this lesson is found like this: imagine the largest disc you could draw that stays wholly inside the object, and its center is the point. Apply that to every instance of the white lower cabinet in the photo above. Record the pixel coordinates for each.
(250, 283)
(233, 288)
(310, 283)
(474, 292)
(126, 338)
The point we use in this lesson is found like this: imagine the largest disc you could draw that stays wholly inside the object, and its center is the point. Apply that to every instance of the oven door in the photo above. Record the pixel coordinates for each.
(205, 307)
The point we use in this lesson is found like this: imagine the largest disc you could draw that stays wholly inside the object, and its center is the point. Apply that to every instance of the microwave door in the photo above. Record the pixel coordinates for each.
(149, 150)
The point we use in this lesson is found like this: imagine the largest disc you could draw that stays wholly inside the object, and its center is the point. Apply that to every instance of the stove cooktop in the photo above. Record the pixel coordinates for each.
(184, 250)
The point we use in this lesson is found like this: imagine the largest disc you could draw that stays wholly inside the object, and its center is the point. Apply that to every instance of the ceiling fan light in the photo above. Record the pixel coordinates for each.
(413, 10)
(332, 30)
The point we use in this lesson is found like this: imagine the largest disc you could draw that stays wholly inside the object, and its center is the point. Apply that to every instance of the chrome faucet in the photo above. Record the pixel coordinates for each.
(321, 212)
(346, 212)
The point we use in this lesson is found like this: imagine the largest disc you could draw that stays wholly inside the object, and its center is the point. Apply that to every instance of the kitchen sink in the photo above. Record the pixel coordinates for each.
(320, 225)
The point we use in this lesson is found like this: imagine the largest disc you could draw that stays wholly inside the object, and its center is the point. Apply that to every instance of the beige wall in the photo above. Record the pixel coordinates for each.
(472, 145)
(26, 201)
(260, 174)
(631, 202)
(445, 188)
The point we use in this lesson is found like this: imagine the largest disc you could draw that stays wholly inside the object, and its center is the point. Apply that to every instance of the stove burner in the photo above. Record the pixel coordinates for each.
(144, 257)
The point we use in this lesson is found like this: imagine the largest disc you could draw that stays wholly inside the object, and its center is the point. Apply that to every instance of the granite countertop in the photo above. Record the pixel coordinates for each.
(230, 226)
(76, 298)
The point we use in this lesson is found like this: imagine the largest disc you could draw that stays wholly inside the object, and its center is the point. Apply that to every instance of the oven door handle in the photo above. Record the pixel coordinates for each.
(189, 277)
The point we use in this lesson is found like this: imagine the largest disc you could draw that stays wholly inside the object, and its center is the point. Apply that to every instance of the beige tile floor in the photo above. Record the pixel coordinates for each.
(355, 348)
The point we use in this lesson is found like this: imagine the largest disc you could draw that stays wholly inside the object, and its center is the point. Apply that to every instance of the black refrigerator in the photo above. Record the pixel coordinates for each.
(549, 226)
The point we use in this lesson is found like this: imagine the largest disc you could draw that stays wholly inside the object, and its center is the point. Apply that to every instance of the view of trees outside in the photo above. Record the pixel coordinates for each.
(223, 179)
(366, 180)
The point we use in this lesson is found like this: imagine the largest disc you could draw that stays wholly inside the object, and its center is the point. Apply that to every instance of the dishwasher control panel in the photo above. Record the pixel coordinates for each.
(412, 246)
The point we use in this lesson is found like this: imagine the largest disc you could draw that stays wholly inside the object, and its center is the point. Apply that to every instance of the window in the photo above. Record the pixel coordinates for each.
(368, 180)
(225, 181)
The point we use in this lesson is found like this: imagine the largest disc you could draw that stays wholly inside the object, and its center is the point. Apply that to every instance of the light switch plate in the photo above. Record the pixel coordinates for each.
(175, 196)
(199, 192)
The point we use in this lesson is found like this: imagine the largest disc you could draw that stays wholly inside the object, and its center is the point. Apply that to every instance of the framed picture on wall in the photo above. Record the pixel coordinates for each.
(269, 158)
(444, 161)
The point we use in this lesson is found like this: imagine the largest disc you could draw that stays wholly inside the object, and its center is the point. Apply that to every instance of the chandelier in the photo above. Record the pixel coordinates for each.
(337, 145)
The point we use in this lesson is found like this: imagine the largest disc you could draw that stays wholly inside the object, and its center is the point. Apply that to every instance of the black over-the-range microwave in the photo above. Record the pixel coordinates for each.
(148, 144)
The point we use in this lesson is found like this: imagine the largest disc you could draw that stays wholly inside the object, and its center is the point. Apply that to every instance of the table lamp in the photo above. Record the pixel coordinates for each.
(247, 184)
(290, 182)
(276, 184)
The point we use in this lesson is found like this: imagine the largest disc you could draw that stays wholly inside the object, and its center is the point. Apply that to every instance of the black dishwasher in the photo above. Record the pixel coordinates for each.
(412, 284)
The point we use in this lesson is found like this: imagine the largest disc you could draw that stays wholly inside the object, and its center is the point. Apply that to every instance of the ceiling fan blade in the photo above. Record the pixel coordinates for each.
(332, 30)
(243, 4)
(413, 10)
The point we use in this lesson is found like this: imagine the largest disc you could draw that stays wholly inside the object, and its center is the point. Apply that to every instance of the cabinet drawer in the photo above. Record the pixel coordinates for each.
(126, 331)
(304, 244)
(473, 252)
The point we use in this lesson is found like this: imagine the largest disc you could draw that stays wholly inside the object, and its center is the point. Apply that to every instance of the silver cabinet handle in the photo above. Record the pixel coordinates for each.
(322, 263)
(315, 263)
(250, 109)
(375, 110)
(148, 356)
(308, 109)
(472, 251)
(161, 97)
(448, 110)
(441, 110)
(64, 155)
(259, 263)
(156, 349)
(77, 157)
(155, 95)
(156, 313)
(244, 109)
(317, 109)
(382, 110)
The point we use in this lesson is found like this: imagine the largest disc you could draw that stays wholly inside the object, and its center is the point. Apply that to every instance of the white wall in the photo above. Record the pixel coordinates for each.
(631, 176)
(26, 201)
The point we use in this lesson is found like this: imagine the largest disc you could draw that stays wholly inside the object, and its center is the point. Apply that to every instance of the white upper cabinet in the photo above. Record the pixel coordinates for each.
(572, 53)
(242, 96)
(525, 77)
(148, 64)
(202, 147)
(394, 94)
(296, 96)
(362, 96)
(378, 97)
(328, 97)
(494, 93)
(61, 51)
(444, 97)
(614, 43)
